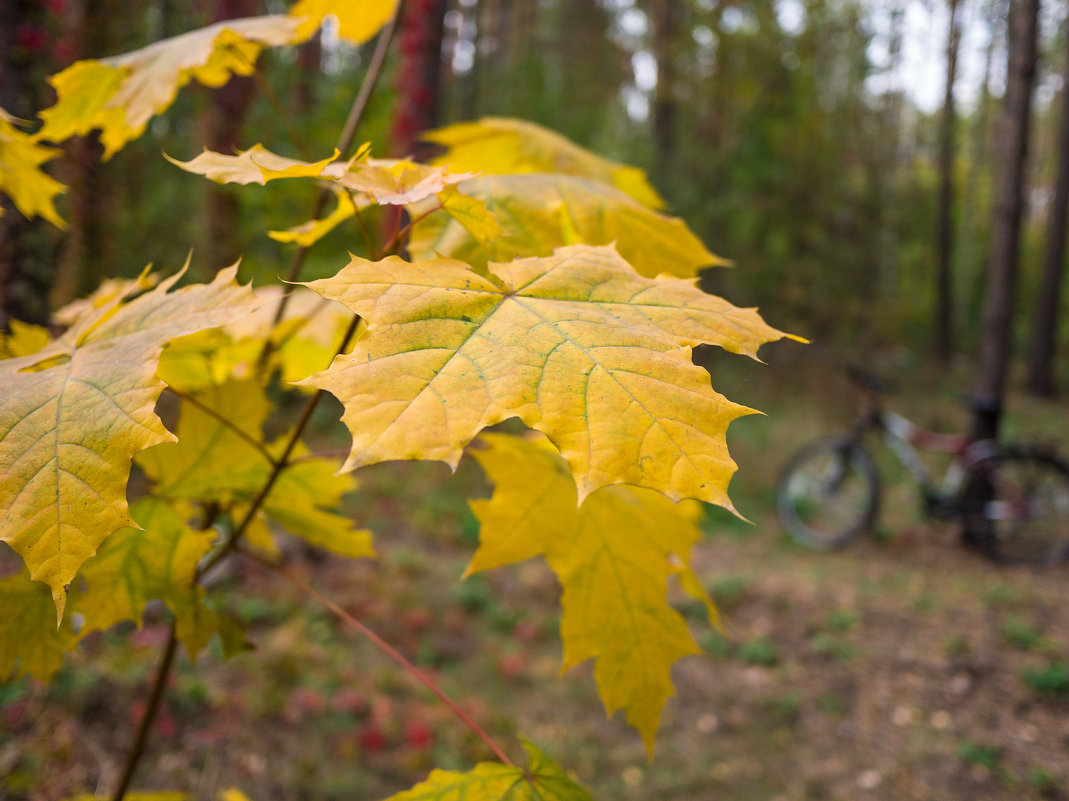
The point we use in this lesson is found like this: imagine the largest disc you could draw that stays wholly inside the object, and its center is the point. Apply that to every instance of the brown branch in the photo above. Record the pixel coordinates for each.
(137, 748)
(385, 647)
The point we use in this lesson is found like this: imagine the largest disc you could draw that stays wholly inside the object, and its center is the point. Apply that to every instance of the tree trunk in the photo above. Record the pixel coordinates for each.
(944, 313)
(1044, 334)
(223, 122)
(665, 19)
(27, 247)
(1001, 291)
(419, 73)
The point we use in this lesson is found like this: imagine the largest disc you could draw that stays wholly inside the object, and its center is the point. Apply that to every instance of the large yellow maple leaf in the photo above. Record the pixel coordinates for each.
(577, 345)
(73, 414)
(541, 211)
(509, 146)
(613, 555)
(119, 95)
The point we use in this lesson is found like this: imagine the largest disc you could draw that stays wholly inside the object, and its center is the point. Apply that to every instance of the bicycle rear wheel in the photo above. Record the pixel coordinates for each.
(1017, 507)
(828, 494)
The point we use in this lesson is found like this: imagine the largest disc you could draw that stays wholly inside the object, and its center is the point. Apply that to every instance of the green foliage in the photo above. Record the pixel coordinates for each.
(1050, 680)
(759, 651)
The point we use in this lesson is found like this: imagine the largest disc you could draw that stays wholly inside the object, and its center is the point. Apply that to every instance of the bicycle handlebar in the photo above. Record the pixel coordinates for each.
(863, 379)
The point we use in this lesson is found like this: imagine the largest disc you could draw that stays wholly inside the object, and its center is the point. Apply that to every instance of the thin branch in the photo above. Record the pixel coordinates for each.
(345, 141)
(234, 537)
(208, 410)
(137, 748)
(385, 647)
(402, 233)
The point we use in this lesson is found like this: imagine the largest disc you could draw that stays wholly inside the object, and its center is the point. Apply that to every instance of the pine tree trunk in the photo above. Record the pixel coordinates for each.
(1001, 291)
(419, 73)
(944, 312)
(665, 19)
(1041, 379)
(26, 251)
(224, 119)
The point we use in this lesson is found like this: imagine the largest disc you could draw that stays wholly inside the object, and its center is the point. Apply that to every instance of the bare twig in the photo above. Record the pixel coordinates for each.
(137, 748)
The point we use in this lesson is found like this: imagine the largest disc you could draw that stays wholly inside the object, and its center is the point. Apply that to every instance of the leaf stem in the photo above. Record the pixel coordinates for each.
(137, 748)
(383, 646)
(208, 410)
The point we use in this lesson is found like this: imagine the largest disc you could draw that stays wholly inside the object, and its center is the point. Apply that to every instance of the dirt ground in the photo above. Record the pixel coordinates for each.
(903, 667)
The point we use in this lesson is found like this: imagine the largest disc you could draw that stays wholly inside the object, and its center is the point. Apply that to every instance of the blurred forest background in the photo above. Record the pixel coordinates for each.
(845, 155)
(816, 143)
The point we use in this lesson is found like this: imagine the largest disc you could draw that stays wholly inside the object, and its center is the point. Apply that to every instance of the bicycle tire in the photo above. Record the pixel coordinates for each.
(828, 493)
(1016, 506)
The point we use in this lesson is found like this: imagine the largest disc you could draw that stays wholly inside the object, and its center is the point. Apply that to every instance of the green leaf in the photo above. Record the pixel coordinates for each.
(211, 461)
(578, 346)
(158, 561)
(493, 781)
(73, 414)
(30, 642)
(613, 556)
(540, 212)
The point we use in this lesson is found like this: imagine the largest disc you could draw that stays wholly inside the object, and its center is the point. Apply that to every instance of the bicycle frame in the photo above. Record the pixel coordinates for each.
(904, 438)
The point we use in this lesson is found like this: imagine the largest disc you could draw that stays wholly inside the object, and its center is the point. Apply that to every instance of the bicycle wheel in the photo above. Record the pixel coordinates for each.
(1017, 507)
(828, 494)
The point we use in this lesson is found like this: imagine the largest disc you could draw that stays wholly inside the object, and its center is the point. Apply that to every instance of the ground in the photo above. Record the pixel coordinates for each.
(903, 667)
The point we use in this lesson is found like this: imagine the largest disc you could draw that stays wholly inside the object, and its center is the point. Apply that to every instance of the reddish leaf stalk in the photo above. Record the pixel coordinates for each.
(383, 646)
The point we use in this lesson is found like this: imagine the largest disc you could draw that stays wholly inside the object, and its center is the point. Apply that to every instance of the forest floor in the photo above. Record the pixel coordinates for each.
(903, 667)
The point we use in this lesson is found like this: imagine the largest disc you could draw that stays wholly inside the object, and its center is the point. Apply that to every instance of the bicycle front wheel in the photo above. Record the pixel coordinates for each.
(1017, 507)
(828, 494)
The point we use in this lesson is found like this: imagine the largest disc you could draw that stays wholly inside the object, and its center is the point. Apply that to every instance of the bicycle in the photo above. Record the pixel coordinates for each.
(1012, 499)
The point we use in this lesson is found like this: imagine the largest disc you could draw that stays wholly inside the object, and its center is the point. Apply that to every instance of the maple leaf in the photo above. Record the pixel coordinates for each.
(307, 234)
(577, 345)
(541, 212)
(30, 642)
(73, 415)
(25, 339)
(257, 165)
(119, 95)
(613, 556)
(212, 462)
(21, 178)
(384, 181)
(109, 290)
(509, 146)
(358, 20)
(157, 561)
(492, 781)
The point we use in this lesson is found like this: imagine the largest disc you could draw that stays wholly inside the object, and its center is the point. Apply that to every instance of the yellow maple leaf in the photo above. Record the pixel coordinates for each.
(157, 561)
(577, 345)
(471, 212)
(540, 212)
(30, 642)
(358, 20)
(613, 556)
(543, 780)
(109, 289)
(307, 234)
(257, 165)
(73, 414)
(397, 182)
(119, 95)
(212, 462)
(24, 339)
(30, 188)
(509, 146)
